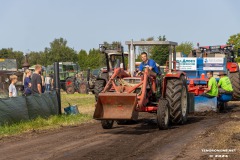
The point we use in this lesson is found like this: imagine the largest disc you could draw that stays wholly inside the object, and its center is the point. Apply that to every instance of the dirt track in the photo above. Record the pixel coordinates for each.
(136, 141)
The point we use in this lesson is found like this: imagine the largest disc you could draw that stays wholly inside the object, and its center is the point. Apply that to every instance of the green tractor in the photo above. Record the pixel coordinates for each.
(71, 79)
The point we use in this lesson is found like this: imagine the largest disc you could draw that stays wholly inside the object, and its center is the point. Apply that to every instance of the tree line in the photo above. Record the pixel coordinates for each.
(59, 51)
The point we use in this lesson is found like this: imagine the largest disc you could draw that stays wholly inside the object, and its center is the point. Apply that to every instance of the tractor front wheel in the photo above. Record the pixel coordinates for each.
(107, 124)
(235, 80)
(177, 96)
(163, 114)
(82, 88)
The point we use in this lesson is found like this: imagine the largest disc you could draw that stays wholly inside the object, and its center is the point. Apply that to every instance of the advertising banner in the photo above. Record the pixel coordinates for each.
(186, 64)
(213, 64)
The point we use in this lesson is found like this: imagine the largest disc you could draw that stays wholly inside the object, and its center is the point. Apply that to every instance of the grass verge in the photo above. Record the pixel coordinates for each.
(39, 123)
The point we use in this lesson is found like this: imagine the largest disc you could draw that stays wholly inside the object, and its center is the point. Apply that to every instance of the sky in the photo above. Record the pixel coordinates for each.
(30, 25)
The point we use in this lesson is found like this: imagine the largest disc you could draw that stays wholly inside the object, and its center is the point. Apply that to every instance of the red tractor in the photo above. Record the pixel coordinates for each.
(125, 95)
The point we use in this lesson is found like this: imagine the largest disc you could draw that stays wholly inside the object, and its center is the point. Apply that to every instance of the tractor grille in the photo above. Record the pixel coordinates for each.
(132, 80)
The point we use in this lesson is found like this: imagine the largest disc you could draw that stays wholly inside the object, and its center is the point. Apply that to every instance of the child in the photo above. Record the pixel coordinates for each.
(12, 89)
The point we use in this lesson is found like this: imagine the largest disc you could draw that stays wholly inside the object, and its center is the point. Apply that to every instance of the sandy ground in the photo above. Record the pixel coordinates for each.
(205, 136)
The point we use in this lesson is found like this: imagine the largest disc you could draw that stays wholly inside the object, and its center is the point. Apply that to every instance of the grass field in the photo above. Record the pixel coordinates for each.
(85, 105)
(85, 102)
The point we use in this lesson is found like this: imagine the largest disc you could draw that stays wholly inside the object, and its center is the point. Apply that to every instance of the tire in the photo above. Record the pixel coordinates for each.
(235, 80)
(220, 107)
(69, 82)
(83, 88)
(99, 86)
(177, 97)
(70, 90)
(104, 76)
(121, 122)
(163, 114)
(107, 124)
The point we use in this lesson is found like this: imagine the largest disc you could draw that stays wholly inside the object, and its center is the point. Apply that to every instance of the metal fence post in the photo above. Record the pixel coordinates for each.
(57, 85)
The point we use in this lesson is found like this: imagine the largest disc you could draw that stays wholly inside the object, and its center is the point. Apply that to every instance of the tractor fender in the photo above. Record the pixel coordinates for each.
(232, 67)
(68, 78)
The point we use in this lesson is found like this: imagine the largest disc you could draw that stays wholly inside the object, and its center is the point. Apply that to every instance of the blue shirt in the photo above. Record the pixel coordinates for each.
(150, 63)
(27, 90)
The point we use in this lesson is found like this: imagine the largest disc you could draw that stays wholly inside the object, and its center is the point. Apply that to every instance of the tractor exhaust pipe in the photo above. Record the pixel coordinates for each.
(132, 59)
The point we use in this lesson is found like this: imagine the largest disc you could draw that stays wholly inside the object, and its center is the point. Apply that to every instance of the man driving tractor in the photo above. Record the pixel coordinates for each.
(154, 71)
(151, 64)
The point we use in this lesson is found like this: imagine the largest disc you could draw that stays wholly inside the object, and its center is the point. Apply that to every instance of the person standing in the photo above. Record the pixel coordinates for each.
(48, 81)
(43, 81)
(12, 88)
(36, 80)
(212, 89)
(27, 82)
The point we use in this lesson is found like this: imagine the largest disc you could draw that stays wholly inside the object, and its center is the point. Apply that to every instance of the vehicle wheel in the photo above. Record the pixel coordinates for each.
(82, 88)
(220, 107)
(70, 90)
(126, 122)
(121, 122)
(107, 124)
(177, 96)
(235, 80)
(104, 76)
(163, 114)
(99, 86)
(69, 82)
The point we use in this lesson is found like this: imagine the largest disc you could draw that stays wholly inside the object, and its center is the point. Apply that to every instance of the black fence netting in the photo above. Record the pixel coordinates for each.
(24, 108)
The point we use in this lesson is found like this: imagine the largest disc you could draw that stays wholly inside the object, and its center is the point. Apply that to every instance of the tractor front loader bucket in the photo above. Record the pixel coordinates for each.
(116, 106)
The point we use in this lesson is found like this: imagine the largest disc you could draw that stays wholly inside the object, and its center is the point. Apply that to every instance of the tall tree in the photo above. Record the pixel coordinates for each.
(60, 52)
(94, 58)
(36, 58)
(235, 40)
(160, 53)
(185, 47)
(83, 59)
(146, 48)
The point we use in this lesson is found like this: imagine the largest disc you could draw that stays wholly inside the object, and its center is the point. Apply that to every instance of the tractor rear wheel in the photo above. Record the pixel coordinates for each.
(70, 90)
(107, 124)
(163, 114)
(82, 88)
(99, 86)
(177, 96)
(235, 80)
